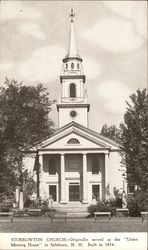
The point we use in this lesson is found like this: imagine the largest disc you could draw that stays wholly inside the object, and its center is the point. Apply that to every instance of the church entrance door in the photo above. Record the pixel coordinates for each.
(74, 192)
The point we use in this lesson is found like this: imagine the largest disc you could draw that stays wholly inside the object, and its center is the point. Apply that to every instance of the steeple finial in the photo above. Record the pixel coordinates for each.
(71, 15)
(73, 50)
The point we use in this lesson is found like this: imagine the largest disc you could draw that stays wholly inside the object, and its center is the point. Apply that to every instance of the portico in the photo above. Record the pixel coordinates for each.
(74, 176)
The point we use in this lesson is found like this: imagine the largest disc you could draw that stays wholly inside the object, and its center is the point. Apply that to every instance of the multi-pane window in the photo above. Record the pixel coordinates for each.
(96, 192)
(95, 166)
(53, 192)
(52, 167)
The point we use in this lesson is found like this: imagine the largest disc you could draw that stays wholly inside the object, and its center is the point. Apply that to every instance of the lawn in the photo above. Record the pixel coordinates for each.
(38, 225)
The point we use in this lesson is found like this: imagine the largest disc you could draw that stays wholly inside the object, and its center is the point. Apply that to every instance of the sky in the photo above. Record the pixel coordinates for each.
(111, 38)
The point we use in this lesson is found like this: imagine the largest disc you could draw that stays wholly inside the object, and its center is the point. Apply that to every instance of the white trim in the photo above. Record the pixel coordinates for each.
(97, 151)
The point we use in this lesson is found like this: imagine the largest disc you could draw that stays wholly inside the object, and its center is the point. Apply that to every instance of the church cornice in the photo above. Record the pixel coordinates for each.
(66, 59)
(72, 77)
(73, 105)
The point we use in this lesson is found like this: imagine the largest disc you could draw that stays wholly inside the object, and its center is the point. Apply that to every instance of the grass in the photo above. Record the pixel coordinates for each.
(42, 225)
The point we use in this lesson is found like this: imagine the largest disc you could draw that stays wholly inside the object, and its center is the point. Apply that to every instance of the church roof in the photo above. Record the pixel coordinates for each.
(79, 132)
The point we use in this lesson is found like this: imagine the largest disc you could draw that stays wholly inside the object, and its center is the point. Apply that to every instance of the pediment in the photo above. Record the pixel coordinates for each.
(73, 140)
(75, 136)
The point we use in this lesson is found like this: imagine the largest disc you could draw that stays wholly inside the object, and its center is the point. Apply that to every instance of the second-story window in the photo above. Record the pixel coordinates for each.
(95, 166)
(52, 167)
(72, 90)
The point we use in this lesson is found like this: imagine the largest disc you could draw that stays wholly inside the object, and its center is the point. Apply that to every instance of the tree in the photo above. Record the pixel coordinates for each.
(112, 132)
(24, 121)
(134, 140)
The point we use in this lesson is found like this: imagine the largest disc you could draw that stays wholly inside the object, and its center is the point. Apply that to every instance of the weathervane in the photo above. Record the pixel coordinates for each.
(71, 15)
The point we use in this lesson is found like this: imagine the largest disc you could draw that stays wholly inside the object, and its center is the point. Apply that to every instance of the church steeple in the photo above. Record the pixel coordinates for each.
(72, 63)
(73, 105)
(73, 49)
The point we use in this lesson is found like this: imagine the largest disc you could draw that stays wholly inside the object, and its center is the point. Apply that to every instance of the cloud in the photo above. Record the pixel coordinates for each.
(92, 69)
(113, 95)
(6, 66)
(113, 34)
(135, 10)
(43, 65)
(46, 62)
(124, 8)
(33, 30)
(18, 10)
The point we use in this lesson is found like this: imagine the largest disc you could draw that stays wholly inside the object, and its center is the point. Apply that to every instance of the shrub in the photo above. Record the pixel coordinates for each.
(134, 209)
(5, 206)
(119, 202)
(142, 199)
(36, 203)
(102, 207)
(138, 202)
(111, 202)
(6, 202)
(42, 204)
(27, 203)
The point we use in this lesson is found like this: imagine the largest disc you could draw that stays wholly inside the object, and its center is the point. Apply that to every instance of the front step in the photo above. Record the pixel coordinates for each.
(71, 210)
(74, 207)
(78, 215)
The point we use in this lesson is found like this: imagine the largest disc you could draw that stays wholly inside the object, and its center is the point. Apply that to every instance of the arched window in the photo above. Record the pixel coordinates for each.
(72, 90)
(72, 65)
(73, 141)
(66, 66)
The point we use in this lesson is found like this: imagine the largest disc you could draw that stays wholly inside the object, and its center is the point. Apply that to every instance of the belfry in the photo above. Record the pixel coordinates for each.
(76, 165)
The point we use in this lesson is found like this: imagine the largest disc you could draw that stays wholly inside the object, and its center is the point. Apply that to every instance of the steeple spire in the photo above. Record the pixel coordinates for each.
(72, 50)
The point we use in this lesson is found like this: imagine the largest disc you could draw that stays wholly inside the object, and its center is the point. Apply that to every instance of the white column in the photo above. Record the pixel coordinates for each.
(17, 196)
(41, 176)
(126, 187)
(21, 202)
(106, 175)
(85, 185)
(62, 179)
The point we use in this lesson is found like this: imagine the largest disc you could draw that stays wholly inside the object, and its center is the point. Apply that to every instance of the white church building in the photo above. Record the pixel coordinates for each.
(76, 164)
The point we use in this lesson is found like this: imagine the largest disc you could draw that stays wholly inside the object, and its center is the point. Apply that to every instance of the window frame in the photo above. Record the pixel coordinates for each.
(72, 90)
(95, 166)
(51, 185)
(49, 168)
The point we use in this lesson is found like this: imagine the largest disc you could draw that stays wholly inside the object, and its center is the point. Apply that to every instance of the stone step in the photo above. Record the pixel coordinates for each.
(72, 203)
(76, 207)
(78, 214)
(72, 209)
